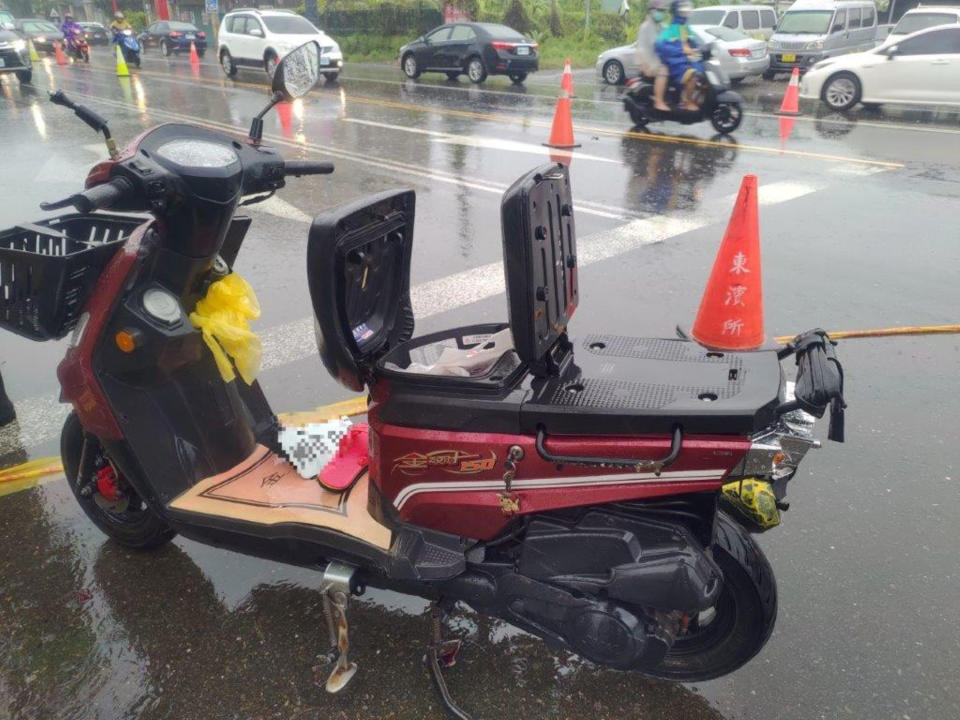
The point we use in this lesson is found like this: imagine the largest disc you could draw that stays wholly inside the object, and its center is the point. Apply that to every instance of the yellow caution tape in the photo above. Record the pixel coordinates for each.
(884, 332)
(222, 316)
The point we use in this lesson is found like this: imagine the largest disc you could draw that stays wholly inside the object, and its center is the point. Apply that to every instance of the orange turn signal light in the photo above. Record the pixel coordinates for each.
(126, 340)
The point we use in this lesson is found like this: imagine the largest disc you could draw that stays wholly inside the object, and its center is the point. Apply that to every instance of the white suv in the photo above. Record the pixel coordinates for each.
(260, 39)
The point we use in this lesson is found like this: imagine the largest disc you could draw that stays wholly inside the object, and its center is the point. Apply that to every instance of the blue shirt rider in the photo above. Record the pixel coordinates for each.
(679, 50)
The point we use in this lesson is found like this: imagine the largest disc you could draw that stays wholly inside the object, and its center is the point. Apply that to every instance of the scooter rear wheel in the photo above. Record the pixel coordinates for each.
(726, 117)
(134, 524)
(728, 635)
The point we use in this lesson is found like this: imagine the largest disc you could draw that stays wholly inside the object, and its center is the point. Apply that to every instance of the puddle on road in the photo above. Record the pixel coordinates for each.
(91, 630)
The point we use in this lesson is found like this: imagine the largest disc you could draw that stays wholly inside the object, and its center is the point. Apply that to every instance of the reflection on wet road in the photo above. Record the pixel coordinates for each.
(857, 232)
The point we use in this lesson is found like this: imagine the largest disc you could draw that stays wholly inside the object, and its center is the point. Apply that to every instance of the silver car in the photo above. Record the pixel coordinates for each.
(738, 54)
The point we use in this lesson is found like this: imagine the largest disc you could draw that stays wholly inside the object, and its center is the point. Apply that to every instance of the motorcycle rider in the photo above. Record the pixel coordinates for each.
(647, 56)
(680, 52)
(119, 22)
(71, 29)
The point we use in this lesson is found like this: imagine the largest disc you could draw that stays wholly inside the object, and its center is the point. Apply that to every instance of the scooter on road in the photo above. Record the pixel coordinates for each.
(77, 46)
(579, 489)
(718, 103)
(127, 42)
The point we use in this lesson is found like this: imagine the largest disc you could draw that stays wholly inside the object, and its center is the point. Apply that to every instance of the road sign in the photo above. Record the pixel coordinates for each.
(210, 6)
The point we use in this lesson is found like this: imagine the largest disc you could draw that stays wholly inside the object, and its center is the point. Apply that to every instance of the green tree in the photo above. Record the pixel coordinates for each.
(516, 17)
(556, 27)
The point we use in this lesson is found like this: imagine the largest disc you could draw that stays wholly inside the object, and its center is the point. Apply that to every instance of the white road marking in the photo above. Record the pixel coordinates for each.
(479, 141)
(281, 209)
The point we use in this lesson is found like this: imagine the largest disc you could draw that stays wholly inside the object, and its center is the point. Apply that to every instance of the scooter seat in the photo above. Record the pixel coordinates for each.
(615, 385)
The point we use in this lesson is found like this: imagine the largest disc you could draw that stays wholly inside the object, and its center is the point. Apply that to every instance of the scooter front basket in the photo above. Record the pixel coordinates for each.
(48, 267)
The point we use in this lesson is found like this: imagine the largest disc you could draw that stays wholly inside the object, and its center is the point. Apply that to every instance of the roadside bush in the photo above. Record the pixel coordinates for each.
(138, 20)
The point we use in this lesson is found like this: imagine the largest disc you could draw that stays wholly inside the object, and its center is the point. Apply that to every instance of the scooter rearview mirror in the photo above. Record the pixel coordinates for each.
(94, 120)
(298, 72)
(293, 77)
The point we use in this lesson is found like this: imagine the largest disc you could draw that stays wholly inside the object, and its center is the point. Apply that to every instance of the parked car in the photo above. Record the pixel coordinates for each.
(738, 54)
(474, 49)
(757, 21)
(617, 65)
(42, 32)
(261, 38)
(171, 36)
(812, 30)
(921, 69)
(14, 53)
(96, 33)
(921, 18)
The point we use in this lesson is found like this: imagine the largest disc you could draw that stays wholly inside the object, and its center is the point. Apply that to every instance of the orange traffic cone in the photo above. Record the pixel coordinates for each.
(561, 133)
(566, 80)
(791, 98)
(194, 58)
(731, 311)
(61, 58)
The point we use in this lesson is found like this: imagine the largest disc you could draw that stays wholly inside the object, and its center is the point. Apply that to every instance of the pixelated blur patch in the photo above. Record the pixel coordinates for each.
(309, 447)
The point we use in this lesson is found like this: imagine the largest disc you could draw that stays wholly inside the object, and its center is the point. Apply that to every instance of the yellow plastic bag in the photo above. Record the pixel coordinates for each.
(222, 316)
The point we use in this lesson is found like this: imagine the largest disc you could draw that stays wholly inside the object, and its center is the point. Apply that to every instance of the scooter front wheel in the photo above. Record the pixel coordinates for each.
(726, 117)
(725, 637)
(123, 516)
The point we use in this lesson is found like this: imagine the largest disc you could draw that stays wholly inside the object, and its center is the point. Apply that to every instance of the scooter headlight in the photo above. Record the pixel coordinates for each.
(19, 45)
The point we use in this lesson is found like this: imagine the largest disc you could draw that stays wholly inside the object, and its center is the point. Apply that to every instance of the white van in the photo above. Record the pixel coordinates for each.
(812, 30)
(757, 21)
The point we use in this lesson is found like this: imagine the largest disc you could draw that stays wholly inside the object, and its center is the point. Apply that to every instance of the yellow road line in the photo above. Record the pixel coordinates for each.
(628, 133)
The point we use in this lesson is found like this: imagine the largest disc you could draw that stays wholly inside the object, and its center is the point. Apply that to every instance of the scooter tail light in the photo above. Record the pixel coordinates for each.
(739, 52)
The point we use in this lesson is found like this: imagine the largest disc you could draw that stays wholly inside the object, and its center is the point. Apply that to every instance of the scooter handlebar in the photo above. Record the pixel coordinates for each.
(95, 198)
(306, 167)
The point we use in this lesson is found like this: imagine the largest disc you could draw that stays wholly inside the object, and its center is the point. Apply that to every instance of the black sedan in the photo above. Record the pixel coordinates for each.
(477, 49)
(14, 55)
(171, 36)
(95, 33)
(43, 33)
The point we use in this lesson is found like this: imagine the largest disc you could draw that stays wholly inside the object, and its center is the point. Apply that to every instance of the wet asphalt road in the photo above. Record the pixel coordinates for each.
(858, 223)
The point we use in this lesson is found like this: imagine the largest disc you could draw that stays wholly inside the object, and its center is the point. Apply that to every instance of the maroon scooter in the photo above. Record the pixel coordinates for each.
(600, 493)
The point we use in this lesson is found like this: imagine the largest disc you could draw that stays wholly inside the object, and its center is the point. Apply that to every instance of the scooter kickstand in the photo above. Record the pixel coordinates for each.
(336, 594)
(441, 654)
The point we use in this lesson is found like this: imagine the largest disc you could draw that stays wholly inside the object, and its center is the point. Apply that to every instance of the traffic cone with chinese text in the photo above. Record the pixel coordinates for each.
(61, 58)
(34, 56)
(731, 310)
(122, 70)
(791, 98)
(561, 132)
(566, 80)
